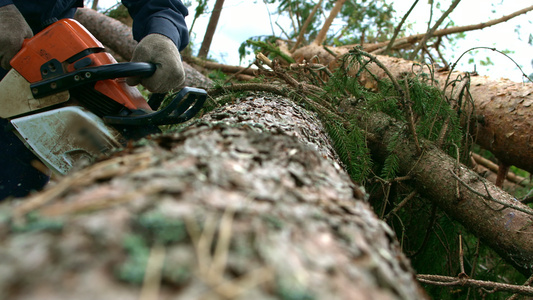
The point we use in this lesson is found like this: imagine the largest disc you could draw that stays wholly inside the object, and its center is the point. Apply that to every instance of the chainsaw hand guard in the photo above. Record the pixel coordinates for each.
(183, 107)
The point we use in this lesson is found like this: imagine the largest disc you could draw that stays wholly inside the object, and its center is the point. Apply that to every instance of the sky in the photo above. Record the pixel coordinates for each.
(242, 19)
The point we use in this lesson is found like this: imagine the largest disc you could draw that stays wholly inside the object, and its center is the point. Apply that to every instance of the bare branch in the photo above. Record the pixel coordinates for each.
(455, 281)
(399, 27)
(429, 34)
(446, 31)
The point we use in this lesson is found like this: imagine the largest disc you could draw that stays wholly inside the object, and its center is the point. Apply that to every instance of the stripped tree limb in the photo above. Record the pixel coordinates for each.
(217, 66)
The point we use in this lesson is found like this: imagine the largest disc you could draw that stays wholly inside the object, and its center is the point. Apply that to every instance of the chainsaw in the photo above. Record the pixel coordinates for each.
(67, 99)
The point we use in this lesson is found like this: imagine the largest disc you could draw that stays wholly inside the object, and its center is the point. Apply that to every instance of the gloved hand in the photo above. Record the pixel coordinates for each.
(13, 31)
(160, 50)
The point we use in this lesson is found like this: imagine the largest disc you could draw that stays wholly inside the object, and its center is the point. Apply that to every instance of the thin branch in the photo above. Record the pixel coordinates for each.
(411, 118)
(456, 281)
(377, 62)
(269, 17)
(527, 283)
(399, 27)
(462, 258)
(446, 31)
(429, 34)
(400, 205)
(489, 197)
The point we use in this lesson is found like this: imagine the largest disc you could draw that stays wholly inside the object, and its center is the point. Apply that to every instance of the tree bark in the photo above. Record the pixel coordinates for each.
(491, 214)
(118, 37)
(248, 202)
(211, 28)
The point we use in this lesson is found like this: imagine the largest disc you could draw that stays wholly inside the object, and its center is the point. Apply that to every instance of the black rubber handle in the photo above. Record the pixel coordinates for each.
(185, 105)
(83, 76)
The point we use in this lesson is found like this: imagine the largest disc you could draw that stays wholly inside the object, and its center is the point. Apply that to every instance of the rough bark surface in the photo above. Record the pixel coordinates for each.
(247, 203)
(454, 188)
(118, 37)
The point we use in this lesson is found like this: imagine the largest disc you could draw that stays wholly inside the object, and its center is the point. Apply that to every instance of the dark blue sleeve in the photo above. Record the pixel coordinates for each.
(166, 17)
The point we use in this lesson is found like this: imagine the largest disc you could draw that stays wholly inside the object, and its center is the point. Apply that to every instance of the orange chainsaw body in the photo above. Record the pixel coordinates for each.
(70, 44)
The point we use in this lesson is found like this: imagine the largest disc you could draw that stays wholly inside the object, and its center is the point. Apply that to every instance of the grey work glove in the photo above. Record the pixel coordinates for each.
(13, 31)
(160, 50)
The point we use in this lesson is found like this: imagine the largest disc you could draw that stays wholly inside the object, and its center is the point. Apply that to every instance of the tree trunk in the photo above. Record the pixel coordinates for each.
(211, 28)
(491, 214)
(119, 39)
(248, 202)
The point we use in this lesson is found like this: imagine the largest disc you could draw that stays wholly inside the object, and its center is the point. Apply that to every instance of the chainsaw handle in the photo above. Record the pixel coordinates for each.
(83, 76)
(185, 105)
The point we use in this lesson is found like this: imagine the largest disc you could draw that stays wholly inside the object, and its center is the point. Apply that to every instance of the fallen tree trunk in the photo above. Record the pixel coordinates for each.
(247, 203)
(491, 214)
